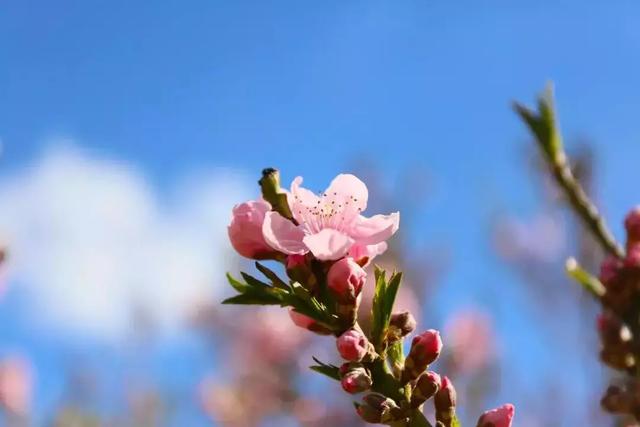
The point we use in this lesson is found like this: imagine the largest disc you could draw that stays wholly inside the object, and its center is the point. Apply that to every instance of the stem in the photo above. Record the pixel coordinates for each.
(418, 419)
(583, 206)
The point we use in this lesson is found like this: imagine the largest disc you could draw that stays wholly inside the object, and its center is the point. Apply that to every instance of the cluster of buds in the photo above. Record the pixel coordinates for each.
(619, 324)
(324, 244)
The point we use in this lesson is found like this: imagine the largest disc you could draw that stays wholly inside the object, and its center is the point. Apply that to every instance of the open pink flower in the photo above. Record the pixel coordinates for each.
(330, 226)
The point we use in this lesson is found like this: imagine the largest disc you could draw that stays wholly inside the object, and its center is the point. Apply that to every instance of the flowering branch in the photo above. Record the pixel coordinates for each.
(543, 125)
(324, 243)
(617, 288)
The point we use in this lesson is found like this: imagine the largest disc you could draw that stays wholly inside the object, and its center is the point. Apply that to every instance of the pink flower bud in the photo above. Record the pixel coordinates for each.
(377, 408)
(355, 379)
(632, 224)
(427, 346)
(426, 387)
(617, 401)
(609, 269)
(499, 417)
(632, 259)
(353, 345)
(245, 230)
(345, 280)
(400, 325)
(445, 401)
(613, 332)
(299, 270)
(308, 323)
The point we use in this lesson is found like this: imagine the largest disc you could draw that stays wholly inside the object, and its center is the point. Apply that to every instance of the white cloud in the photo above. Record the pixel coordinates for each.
(90, 240)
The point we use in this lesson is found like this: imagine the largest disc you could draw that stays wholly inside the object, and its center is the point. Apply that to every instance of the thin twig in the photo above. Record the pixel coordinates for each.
(543, 126)
(585, 208)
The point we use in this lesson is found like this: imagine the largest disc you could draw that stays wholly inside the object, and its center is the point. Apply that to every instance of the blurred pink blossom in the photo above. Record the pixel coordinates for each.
(16, 383)
(469, 336)
(542, 238)
(268, 329)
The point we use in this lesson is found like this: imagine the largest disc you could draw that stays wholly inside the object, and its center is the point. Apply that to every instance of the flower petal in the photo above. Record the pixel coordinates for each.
(328, 244)
(301, 200)
(378, 228)
(359, 252)
(348, 188)
(283, 235)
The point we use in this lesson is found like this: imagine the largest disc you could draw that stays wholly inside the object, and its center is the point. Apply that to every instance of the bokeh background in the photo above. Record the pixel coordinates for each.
(129, 130)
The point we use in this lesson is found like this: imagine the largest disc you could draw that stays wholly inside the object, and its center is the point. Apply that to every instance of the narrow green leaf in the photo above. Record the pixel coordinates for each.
(543, 124)
(590, 283)
(253, 299)
(253, 282)
(377, 309)
(237, 285)
(269, 274)
(330, 371)
(390, 296)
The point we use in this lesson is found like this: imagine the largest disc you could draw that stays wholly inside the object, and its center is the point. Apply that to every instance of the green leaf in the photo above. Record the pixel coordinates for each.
(455, 422)
(377, 309)
(253, 282)
(330, 371)
(390, 295)
(543, 124)
(269, 274)
(253, 299)
(383, 300)
(237, 285)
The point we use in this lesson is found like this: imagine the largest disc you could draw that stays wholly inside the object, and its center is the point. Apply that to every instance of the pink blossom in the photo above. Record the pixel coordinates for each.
(330, 226)
(352, 345)
(245, 230)
(346, 279)
(16, 381)
(471, 338)
(499, 417)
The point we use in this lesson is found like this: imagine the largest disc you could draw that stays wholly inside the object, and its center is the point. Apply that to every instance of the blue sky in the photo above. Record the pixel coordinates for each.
(309, 86)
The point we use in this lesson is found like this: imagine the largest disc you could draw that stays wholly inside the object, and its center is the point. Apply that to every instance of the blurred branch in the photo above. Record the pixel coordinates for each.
(588, 282)
(543, 125)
